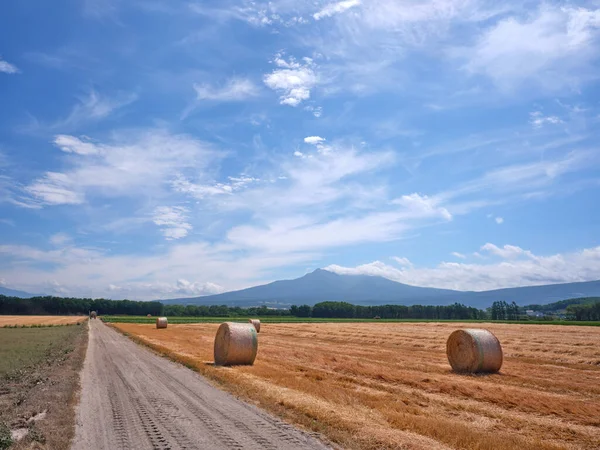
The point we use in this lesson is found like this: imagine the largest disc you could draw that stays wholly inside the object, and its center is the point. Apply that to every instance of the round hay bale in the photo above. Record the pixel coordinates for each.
(474, 350)
(256, 323)
(161, 322)
(149, 315)
(93, 314)
(236, 344)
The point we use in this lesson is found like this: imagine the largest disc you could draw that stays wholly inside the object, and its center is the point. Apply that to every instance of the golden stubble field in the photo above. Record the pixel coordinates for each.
(389, 385)
(40, 320)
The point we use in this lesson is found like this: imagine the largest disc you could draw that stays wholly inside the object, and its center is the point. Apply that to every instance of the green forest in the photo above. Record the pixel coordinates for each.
(587, 309)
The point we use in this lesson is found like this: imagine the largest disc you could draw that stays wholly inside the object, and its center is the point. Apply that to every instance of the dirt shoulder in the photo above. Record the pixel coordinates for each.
(39, 383)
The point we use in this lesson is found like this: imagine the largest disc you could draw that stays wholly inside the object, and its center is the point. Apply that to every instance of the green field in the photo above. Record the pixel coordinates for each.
(284, 319)
(24, 347)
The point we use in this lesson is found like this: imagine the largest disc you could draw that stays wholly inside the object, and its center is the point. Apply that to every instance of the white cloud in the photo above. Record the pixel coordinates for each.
(314, 140)
(234, 90)
(459, 255)
(71, 144)
(499, 220)
(529, 271)
(335, 8)
(200, 191)
(173, 221)
(423, 205)
(538, 120)
(6, 67)
(138, 164)
(401, 261)
(551, 48)
(60, 239)
(507, 252)
(292, 80)
(54, 189)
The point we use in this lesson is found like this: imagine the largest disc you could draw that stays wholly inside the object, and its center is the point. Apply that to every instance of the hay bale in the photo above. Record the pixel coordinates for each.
(93, 314)
(161, 322)
(149, 315)
(474, 350)
(256, 323)
(236, 344)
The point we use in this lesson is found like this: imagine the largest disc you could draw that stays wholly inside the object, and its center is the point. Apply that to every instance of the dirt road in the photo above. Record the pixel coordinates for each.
(134, 399)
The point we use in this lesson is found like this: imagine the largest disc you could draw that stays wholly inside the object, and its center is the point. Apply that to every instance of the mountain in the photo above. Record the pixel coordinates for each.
(15, 293)
(322, 285)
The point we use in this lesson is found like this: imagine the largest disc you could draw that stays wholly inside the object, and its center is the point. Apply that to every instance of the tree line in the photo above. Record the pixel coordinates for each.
(589, 311)
(72, 306)
(349, 311)
(69, 306)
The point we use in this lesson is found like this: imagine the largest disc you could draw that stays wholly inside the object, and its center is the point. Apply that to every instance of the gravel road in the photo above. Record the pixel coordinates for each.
(134, 399)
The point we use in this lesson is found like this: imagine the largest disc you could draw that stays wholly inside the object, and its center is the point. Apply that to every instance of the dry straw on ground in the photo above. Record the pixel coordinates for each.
(40, 320)
(161, 322)
(236, 344)
(474, 350)
(256, 323)
(394, 380)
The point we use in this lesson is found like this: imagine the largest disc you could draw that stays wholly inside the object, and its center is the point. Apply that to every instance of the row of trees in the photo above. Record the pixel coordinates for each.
(221, 311)
(504, 311)
(347, 310)
(68, 306)
(590, 311)
(457, 311)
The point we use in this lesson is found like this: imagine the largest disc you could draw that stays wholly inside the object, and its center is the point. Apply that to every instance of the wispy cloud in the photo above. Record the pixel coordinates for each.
(234, 90)
(6, 67)
(173, 221)
(550, 48)
(137, 164)
(335, 8)
(538, 120)
(89, 108)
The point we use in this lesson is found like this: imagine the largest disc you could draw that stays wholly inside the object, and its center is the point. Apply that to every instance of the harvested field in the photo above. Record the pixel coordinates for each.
(389, 385)
(40, 320)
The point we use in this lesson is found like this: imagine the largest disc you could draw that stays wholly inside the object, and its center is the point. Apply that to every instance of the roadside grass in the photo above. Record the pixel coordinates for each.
(284, 319)
(39, 372)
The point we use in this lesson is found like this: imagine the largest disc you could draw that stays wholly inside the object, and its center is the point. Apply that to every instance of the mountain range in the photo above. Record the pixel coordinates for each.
(322, 285)
(14, 293)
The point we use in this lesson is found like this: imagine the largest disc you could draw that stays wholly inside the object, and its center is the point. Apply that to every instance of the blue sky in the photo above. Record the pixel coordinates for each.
(154, 149)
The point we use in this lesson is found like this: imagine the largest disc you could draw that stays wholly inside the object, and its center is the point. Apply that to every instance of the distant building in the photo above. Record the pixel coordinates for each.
(532, 313)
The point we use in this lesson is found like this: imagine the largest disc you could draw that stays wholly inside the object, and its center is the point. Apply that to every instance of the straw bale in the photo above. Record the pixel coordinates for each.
(474, 350)
(236, 344)
(161, 322)
(256, 323)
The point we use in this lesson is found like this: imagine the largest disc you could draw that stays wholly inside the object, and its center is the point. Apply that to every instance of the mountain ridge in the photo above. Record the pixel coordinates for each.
(366, 290)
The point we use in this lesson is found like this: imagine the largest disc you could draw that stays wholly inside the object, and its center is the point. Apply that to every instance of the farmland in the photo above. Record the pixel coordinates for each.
(39, 377)
(40, 320)
(388, 385)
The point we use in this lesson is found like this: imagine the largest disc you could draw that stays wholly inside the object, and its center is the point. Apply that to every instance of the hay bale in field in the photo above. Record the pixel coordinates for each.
(161, 322)
(474, 350)
(236, 344)
(149, 315)
(256, 323)
(93, 315)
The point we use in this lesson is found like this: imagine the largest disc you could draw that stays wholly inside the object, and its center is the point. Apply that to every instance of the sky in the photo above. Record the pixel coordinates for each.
(160, 148)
